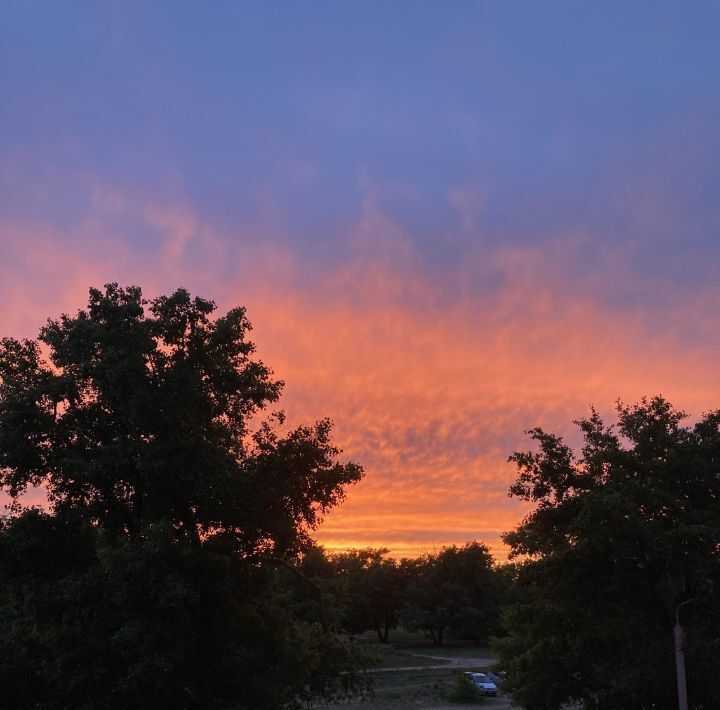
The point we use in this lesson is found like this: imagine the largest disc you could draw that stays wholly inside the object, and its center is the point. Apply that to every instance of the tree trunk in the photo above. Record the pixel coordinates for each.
(387, 630)
(189, 522)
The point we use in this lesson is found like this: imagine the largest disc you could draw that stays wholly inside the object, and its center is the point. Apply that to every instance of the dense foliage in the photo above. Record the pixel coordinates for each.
(456, 590)
(464, 692)
(150, 579)
(621, 536)
(374, 587)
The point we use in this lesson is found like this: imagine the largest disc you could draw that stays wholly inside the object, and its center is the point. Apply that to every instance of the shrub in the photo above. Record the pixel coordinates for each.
(463, 690)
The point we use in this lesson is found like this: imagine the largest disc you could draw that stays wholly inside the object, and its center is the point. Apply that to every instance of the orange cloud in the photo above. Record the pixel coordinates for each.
(431, 376)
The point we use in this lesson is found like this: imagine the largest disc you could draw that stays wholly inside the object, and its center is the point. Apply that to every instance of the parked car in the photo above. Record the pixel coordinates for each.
(483, 682)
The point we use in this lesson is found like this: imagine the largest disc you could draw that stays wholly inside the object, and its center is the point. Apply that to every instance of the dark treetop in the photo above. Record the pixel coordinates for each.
(144, 414)
(621, 535)
(151, 579)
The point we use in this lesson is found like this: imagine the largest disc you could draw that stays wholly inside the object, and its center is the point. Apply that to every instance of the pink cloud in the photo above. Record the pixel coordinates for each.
(430, 392)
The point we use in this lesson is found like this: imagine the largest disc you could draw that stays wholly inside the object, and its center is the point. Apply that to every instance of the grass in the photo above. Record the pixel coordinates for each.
(425, 686)
(420, 689)
(407, 687)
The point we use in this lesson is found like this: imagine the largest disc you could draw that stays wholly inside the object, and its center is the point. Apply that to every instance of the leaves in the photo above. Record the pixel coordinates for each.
(454, 590)
(620, 537)
(142, 585)
(145, 416)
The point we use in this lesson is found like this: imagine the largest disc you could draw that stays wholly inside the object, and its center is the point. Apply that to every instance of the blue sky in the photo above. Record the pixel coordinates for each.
(295, 112)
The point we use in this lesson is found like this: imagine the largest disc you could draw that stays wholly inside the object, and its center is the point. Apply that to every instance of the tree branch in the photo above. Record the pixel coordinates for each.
(318, 591)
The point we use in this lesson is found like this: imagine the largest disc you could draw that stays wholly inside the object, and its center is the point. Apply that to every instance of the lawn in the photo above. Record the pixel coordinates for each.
(413, 649)
(421, 689)
(405, 676)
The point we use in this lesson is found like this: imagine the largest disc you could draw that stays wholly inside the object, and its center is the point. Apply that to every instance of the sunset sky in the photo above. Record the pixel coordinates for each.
(449, 221)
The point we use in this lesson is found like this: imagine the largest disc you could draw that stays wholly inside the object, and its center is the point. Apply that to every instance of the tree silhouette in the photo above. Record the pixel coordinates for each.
(620, 536)
(143, 584)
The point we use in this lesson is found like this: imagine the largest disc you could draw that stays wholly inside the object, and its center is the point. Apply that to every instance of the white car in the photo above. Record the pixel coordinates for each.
(483, 682)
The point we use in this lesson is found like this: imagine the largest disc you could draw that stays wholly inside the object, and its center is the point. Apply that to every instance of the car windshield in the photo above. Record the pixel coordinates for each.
(482, 678)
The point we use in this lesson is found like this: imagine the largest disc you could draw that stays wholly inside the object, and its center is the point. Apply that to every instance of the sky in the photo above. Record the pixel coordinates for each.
(448, 222)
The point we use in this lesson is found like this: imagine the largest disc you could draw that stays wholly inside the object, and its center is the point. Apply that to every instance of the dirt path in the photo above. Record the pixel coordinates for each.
(461, 662)
(448, 662)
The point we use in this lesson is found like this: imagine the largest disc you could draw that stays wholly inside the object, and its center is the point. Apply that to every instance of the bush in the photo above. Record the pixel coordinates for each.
(464, 691)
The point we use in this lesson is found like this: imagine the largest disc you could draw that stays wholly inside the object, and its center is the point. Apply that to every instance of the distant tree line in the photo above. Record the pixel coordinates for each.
(458, 590)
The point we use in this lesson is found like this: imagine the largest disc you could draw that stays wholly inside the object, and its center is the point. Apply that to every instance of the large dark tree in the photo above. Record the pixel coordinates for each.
(146, 581)
(373, 587)
(455, 590)
(621, 536)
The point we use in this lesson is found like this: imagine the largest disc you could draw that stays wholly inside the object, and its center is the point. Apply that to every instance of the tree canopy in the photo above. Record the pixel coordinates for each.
(621, 535)
(167, 494)
(374, 587)
(457, 590)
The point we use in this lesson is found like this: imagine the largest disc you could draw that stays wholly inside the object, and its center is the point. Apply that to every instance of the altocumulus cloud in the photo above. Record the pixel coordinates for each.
(431, 374)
